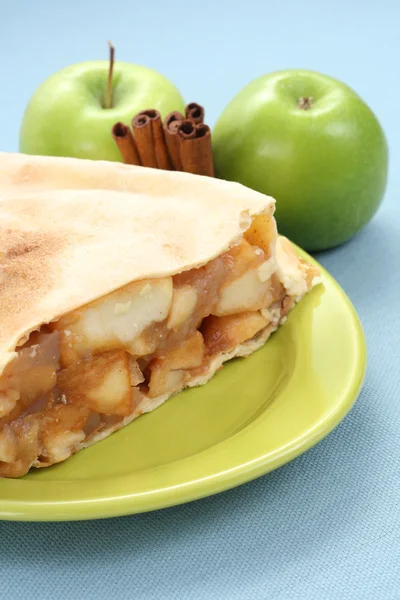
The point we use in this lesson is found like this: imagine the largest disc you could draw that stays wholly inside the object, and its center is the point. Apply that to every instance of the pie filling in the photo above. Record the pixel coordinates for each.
(96, 367)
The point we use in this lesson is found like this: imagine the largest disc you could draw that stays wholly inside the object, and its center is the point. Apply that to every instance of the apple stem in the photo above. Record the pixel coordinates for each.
(110, 76)
(305, 102)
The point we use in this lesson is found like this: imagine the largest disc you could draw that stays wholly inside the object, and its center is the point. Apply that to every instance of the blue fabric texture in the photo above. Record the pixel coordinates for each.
(327, 525)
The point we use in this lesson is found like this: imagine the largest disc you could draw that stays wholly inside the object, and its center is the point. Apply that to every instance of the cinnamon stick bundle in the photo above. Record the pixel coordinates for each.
(180, 142)
(123, 138)
(194, 112)
(171, 126)
(150, 141)
(196, 149)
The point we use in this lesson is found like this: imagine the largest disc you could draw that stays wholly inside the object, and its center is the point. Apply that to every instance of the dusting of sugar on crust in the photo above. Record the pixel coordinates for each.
(28, 274)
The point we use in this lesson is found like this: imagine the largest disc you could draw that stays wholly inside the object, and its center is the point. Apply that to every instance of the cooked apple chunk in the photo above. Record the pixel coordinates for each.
(135, 374)
(62, 428)
(183, 304)
(114, 321)
(224, 333)
(60, 446)
(187, 355)
(8, 445)
(19, 440)
(262, 233)
(146, 343)
(248, 280)
(164, 381)
(239, 259)
(102, 383)
(167, 373)
(247, 292)
(266, 269)
(8, 401)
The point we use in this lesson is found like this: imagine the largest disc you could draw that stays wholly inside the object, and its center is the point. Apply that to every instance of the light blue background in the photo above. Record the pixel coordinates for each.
(326, 526)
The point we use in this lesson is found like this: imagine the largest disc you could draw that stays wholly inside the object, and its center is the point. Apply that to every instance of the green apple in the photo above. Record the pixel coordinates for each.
(67, 116)
(312, 143)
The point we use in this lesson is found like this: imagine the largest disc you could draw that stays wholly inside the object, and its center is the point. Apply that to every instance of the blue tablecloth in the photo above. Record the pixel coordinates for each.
(326, 526)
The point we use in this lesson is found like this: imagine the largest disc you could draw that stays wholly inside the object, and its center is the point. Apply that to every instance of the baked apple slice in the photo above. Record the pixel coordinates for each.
(221, 334)
(114, 321)
(101, 383)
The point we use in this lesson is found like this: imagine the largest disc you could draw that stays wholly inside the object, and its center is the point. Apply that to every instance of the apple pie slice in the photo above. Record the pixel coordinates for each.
(119, 287)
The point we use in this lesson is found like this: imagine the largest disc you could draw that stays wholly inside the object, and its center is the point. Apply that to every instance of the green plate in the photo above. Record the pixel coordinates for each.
(255, 415)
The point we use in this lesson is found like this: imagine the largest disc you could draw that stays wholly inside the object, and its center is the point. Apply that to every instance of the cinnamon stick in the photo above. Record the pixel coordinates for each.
(150, 140)
(171, 126)
(123, 138)
(196, 149)
(194, 112)
(162, 156)
(187, 130)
